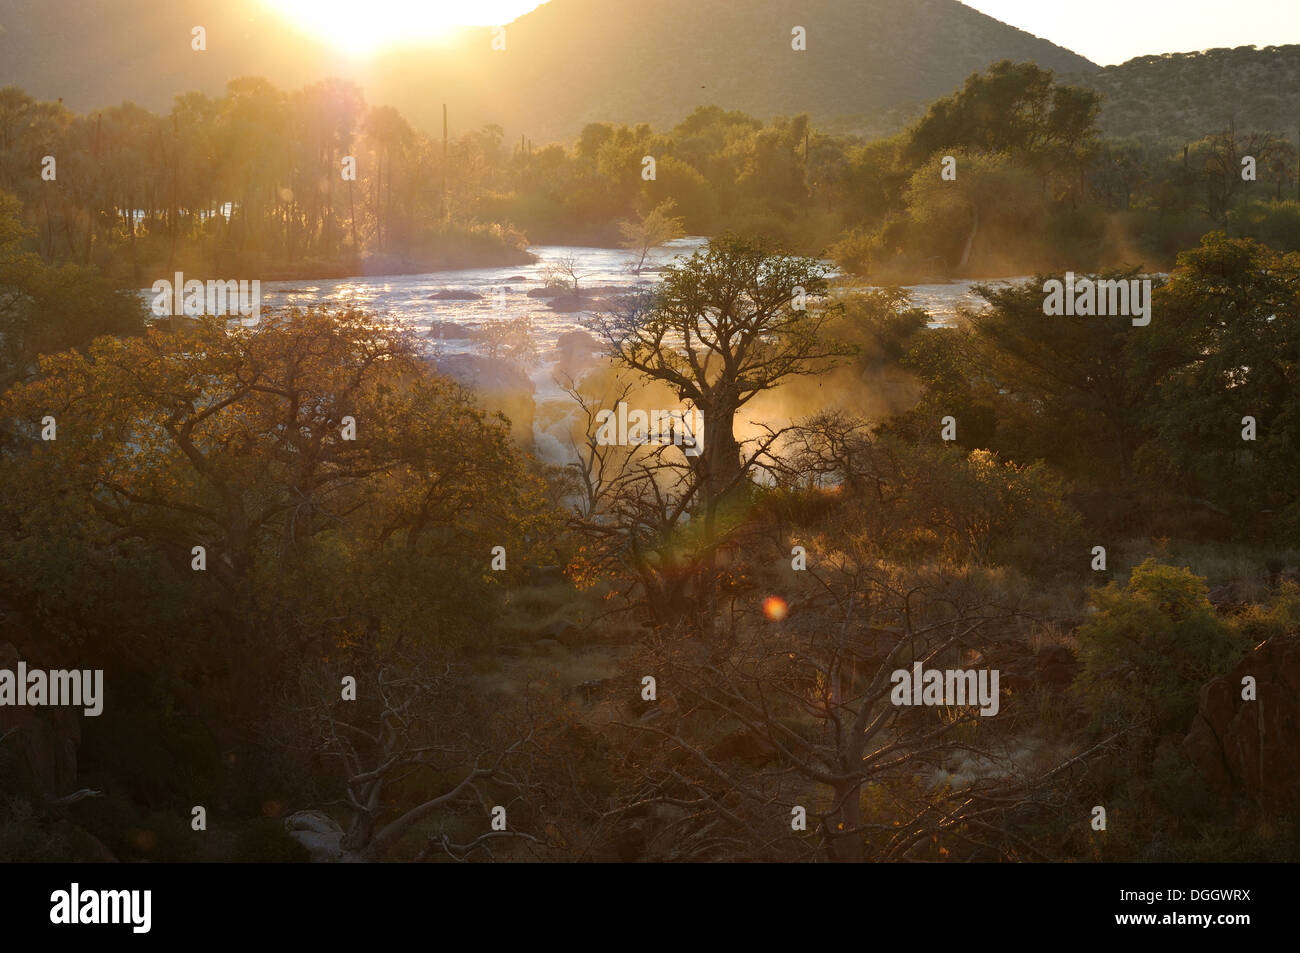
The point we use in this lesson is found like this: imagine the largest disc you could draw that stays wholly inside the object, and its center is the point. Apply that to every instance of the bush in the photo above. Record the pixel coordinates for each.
(1151, 646)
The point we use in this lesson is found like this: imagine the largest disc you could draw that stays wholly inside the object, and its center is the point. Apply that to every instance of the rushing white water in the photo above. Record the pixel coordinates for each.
(502, 292)
(406, 298)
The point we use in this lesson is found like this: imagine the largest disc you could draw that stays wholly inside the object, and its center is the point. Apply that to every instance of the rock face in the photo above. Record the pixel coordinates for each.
(1253, 746)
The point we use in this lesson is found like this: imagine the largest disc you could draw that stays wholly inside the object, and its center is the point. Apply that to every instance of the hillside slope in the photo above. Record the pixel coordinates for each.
(567, 63)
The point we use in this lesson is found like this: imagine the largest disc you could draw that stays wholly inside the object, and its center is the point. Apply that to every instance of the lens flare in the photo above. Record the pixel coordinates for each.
(775, 608)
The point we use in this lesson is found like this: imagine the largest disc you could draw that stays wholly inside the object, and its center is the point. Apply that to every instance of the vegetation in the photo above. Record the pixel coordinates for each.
(342, 606)
(1008, 175)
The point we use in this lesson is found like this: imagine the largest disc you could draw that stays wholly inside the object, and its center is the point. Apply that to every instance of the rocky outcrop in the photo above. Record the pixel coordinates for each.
(1253, 746)
(449, 331)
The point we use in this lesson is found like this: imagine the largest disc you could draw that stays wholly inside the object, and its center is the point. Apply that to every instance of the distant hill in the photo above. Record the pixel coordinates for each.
(870, 68)
(1187, 95)
(567, 63)
(1179, 97)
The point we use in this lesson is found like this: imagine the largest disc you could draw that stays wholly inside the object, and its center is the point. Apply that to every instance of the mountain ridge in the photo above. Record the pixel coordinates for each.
(566, 63)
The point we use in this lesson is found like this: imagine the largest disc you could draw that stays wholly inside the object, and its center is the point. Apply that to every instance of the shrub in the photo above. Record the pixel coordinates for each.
(1151, 646)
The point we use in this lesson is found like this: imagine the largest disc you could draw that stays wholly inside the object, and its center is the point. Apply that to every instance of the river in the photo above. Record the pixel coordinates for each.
(503, 294)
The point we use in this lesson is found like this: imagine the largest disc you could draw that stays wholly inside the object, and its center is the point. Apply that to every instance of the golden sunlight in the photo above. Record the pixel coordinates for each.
(361, 27)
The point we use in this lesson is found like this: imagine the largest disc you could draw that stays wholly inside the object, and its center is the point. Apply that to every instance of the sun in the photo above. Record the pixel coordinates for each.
(362, 27)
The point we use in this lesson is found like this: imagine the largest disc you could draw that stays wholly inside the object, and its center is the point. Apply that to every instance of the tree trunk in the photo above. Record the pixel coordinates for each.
(846, 848)
(719, 461)
(970, 239)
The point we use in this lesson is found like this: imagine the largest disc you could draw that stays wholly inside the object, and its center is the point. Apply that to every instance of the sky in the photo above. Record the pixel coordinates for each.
(1112, 31)
(1105, 31)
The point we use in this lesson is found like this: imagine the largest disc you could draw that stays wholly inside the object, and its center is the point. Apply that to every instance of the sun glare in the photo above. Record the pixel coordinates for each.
(361, 27)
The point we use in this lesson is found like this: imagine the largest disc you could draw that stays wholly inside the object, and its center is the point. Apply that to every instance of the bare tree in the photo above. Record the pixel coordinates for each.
(777, 718)
(563, 272)
(404, 723)
(1220, 157)
(646, 518)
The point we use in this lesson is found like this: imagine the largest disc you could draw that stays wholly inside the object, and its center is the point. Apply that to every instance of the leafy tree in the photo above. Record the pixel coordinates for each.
(723, 327)
(1151, 645)
(45, 309)
(1014, 108)
(1226, 339)
(314, 544)
(991, 194)
(655, 228)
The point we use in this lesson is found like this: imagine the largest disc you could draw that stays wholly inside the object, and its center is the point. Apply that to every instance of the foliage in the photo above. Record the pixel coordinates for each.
(1151, 645)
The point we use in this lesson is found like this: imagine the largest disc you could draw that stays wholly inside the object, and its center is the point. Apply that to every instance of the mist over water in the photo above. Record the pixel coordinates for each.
(603, 273)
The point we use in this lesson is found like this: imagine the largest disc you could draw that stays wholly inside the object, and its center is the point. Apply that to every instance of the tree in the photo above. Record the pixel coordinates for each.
(46, 309)
(727, 324)
(1014, 108)
(1225, 345)
(991, 194)
(407, 724)
(657, 227)
(1151, 645)
(1219, 158)
(1088, 375)
(562, 272)
(800, 714)
(334, 484)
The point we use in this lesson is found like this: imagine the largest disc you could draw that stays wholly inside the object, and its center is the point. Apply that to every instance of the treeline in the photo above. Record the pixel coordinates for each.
(1032, 186)
(1182, 95)
(254, 181)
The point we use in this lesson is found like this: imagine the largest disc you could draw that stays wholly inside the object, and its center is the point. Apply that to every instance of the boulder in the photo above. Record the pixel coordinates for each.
(449, 331)
(1253, 746)
(319, 833)
(454, 294)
